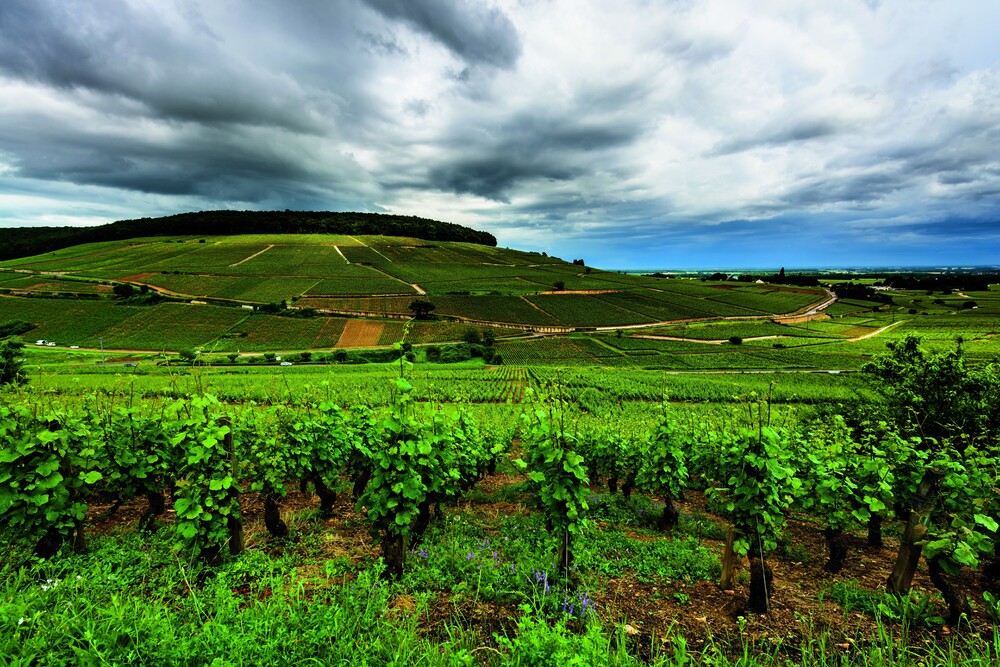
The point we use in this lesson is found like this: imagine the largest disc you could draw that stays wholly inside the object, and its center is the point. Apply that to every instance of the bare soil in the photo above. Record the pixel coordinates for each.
(654, 610)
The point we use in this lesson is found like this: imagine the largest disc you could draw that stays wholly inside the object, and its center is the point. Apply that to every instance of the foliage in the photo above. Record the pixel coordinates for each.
(844, 482)
(757, 483)
(664, 469)
(417, 463)
(48, 465)
(932, 394)
(421, 309)
(11, 362)
(556, 471)
(206, 501)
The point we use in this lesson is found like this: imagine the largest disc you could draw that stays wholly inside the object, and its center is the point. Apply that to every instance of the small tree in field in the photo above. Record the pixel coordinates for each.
(11, 371)
(421, 309)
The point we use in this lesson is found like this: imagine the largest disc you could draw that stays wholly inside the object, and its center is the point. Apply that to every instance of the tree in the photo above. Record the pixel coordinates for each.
(123, 290)
(421, 309)
(945, 411)
(187, 355)
(559, 285)
(11, 364)
(233, 356)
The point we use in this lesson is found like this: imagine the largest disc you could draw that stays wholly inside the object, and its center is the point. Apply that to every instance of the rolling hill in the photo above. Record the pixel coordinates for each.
(259, 292)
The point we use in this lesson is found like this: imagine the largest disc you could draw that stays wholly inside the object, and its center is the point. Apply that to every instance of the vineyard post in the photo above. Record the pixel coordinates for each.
(728, 562)
(236, 544)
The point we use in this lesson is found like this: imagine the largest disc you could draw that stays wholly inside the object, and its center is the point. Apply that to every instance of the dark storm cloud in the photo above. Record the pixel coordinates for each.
(470, 29)
(528, 149)
(605, 121)
(788, 132)
(853, 191)
(108, 48)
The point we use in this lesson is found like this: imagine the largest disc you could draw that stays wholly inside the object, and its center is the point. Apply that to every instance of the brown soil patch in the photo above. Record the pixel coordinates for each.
(655, 608)
(360, 333)
(798, 319)
(326, 333)
(137, 277)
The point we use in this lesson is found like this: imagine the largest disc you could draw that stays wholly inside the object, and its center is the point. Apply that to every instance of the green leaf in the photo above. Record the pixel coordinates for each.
(48, 467)
(987, 522)
(181, 505)
(92, 477)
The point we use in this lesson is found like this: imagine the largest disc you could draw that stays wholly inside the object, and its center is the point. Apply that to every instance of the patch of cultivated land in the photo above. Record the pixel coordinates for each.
(360, 333)
(655, 588)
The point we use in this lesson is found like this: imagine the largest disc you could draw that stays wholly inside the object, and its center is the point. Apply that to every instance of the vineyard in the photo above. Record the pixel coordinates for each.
(556, 465)
(752, 525)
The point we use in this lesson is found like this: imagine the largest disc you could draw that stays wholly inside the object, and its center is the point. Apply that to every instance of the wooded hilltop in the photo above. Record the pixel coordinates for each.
(27, 241)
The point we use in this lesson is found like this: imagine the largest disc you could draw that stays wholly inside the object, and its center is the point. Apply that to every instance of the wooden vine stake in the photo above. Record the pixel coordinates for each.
(236, 543)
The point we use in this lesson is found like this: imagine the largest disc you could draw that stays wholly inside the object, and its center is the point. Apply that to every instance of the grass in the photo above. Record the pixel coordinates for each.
(476, 591)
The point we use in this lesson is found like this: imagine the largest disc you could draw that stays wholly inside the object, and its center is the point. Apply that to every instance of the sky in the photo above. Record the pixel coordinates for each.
(629, 133)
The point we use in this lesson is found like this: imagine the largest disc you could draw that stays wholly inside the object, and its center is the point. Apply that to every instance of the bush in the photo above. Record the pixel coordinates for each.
(11, 364)
(735, 340)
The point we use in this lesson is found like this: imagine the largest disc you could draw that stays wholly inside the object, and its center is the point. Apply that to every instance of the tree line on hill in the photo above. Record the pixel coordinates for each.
(779, 278)
(945, 282)
(27, 241)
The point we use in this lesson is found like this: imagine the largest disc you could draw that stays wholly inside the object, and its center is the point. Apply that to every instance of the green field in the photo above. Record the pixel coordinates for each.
(608, 372)
(510, 292)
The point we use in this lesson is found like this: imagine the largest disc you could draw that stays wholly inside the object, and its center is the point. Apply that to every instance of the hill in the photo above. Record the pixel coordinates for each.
(27, 241)
(254, 293)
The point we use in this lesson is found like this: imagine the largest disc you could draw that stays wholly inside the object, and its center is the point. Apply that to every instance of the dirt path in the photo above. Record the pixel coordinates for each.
(874, 333)
(256, 254)
(371, 248)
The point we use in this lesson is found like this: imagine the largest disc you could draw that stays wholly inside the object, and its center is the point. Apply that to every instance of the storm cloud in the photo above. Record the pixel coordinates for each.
(634, 134)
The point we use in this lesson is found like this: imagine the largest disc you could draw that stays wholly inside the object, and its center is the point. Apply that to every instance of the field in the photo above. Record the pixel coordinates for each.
(485, 574)
(612, 320)
(636, 397)
(360, 333)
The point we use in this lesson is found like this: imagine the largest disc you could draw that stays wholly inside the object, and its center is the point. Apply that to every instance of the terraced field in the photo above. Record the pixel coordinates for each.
(512, 293)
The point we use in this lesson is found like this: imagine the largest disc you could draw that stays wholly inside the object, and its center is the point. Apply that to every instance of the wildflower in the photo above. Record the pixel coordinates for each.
(21, 620)
(423, 554)
(472, 554)
(513, 569)
(584, 602)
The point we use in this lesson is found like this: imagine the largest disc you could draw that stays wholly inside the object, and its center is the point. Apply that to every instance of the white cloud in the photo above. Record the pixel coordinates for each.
(582, 116)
